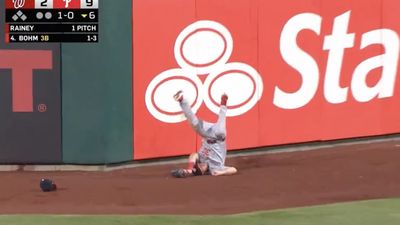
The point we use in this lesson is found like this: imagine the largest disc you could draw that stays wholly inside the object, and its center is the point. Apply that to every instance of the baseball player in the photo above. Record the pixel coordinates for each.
(210, 158)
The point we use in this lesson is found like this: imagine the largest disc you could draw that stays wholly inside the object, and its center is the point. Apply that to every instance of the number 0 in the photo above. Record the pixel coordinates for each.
(70, 15)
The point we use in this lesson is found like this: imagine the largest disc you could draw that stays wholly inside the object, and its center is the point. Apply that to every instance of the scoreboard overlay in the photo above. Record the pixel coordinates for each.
(51, 21)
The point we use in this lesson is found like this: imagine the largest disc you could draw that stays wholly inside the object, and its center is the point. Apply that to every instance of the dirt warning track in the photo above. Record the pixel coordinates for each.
(270, 181)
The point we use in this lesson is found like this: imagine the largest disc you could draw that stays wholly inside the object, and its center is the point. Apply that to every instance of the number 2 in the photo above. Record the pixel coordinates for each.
(43, 3)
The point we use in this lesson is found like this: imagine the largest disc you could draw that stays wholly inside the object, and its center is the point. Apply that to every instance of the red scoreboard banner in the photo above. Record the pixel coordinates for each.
(63, 4)
(295, 71)
(20, 4)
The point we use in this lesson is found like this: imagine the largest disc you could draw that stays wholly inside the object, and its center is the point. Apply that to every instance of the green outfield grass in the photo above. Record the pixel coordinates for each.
(375, 212)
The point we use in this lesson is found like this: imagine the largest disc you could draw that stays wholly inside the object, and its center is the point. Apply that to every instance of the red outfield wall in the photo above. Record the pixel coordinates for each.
(295, 71)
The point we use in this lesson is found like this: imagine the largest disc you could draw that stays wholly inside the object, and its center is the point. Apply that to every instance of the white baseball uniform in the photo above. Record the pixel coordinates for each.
(213, 148)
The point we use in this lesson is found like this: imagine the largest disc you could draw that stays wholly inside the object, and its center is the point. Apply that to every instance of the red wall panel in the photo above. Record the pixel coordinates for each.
(295, 71)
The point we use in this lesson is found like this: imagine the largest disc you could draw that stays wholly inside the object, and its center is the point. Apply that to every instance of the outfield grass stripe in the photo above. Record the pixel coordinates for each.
(374, 212)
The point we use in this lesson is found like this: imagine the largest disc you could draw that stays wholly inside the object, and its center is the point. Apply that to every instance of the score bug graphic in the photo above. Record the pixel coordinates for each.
(203, 49)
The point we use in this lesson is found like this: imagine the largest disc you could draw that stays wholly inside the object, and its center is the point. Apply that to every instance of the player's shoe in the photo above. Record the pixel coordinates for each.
(224, 99)
(178, 96)
(181, 173)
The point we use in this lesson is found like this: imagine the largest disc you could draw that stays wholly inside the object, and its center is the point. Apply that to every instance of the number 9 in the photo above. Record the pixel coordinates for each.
(89, 3)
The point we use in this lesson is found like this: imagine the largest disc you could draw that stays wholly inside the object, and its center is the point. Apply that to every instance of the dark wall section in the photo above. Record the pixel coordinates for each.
(97, 91)
(30, 126)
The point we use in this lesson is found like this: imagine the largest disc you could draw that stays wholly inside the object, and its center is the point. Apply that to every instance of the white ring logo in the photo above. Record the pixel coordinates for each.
(18, 3)
(203, 49)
